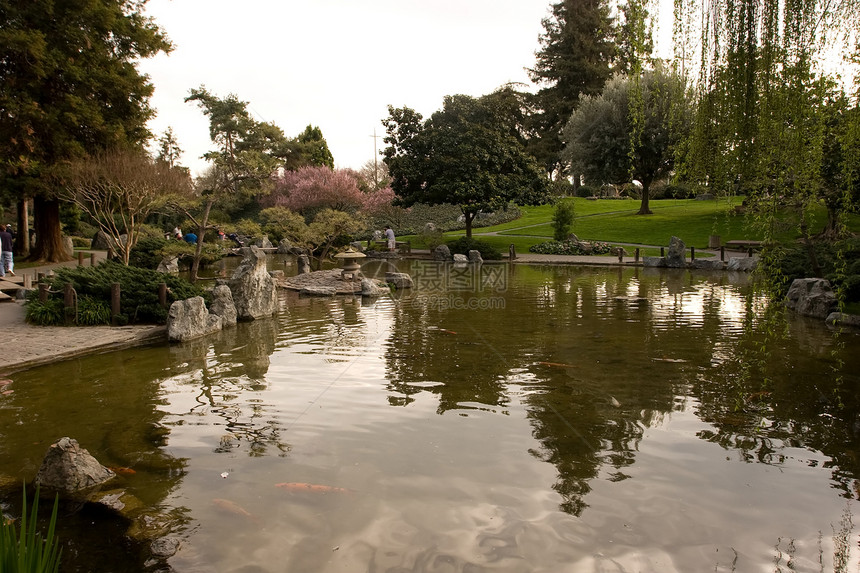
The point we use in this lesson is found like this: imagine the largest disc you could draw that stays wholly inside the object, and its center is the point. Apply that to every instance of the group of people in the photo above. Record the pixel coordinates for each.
(7, 239)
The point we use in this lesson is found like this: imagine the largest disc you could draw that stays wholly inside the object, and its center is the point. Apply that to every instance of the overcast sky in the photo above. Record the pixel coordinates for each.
(335, 64)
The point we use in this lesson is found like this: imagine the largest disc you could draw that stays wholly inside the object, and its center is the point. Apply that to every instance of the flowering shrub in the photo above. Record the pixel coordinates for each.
(571, 248)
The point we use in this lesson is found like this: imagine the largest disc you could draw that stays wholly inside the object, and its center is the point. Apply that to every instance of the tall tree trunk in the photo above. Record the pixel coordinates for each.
(198, 248)
(49, 238)
(644, 209)
(470, 216)
(22, 241)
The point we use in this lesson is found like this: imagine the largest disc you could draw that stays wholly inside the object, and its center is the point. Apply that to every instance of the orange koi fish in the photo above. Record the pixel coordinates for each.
(312, 487)
(5, 382)
(124, 471)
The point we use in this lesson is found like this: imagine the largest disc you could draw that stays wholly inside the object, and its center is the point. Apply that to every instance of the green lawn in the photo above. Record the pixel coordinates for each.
(616, 221)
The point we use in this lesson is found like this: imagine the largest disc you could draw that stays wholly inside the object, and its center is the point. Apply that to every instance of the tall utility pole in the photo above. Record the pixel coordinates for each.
(375, 164)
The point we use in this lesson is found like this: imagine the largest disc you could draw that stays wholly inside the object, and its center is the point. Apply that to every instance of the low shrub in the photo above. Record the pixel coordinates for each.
(81, 242)
(465, 244)
(587, 191)
(571, 248)
(138, 287)
(562, 220)
(92, 312)
(47, 313)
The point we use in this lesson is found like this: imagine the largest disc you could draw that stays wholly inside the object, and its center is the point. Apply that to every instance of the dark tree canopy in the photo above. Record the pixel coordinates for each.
(599, 132)
(575, 59)
(68, 87)
(313, 148)
(469, 153)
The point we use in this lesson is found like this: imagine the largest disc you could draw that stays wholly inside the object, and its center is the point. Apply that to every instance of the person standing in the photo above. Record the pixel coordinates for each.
(389, 235)
(6, 262)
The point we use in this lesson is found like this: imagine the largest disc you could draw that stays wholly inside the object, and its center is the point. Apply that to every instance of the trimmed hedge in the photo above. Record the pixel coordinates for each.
(570, 248)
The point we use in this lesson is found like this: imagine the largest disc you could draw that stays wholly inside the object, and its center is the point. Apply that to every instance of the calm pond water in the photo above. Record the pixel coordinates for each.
(519, 419)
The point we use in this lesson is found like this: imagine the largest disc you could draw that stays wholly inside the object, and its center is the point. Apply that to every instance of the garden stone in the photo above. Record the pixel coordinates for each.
(188, 319)
(743, 264)
(168, 265)
(265, 243)
(285, 247)
(69, 246)
(370, 288)
(843, 319)
(101, 241)
(399, 280)
(811, 297)
(254, 291)
(304, 264)
(318, 290)
(709, 264)
(222, 305)
(442, 253)
(676, 257)
(462, 259)
(358, 246)
(475, 256)
(430, 228)
(653, 261)
(69, 468)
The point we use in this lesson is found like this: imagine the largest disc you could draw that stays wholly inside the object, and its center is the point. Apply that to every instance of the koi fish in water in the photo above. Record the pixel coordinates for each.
(124, 471)
(234, 508)
(311, 487)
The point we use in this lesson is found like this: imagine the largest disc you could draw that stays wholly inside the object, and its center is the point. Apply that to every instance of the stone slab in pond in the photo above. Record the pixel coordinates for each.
(324, 283)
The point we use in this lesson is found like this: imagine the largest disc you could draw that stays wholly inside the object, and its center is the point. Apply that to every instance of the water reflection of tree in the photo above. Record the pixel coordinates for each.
(604, 363)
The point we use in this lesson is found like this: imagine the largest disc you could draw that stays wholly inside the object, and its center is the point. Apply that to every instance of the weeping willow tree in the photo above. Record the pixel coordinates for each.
(771, 112)
(777, 117)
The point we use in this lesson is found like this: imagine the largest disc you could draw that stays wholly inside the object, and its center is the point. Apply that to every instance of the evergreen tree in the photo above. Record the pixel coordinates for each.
(575, 59)
(68, 87)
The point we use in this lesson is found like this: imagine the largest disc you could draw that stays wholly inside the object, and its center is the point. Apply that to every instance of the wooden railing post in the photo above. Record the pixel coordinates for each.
(114, 302)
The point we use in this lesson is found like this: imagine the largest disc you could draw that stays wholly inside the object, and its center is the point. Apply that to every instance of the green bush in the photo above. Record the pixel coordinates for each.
(570, 248)
(28, 551)
(138, 288)
(92, 312)
(81, 242)
(146, 254)
(586, 191)
(465, 244)
(562, 220)
(793, 262)
(48, 313)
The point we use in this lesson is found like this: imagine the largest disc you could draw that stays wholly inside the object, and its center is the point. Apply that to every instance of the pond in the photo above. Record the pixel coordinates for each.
(516, 418)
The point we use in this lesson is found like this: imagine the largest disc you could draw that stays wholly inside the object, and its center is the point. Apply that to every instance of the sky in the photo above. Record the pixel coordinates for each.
(335, 64)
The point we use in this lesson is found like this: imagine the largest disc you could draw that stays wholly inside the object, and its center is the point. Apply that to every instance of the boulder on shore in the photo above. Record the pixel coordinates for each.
(69, 468)
(188, 319)
(811, 297)
(222, 305)
(676, 256)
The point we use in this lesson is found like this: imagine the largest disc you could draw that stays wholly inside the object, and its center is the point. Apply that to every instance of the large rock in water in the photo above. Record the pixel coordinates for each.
(188, 319)
(69, 468)
(442, 253)
(676, 257)
(254, 291)
(811, 297)
(222, 305)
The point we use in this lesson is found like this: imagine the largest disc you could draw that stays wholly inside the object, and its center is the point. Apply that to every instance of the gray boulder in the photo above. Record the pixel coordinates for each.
(358, 246)
(318, 290)
(69, 468)
(843, 319)
(708, 264)
(743, 264)
(399, 280)
(188, 319)
(442, 253)
(303, 264)
(285, 247)
(101, 241)
(475, 256)
(676, 258)
(460, 259)
(168, 265)
(69, 246)
(811, 297)
(222, 305)
(265, 243)
(653, 261)
(371, 288)
(254, 291)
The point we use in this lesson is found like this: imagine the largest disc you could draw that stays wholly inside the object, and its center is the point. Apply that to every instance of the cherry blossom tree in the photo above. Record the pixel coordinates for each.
(309, 189)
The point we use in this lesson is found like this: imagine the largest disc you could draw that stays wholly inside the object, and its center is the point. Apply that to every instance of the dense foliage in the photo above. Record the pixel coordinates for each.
(68, 88)
(465, 244)
(28, 550)
(469, 154)
(139, 290)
